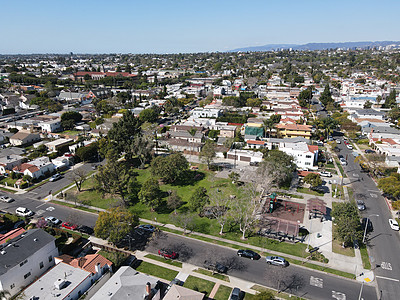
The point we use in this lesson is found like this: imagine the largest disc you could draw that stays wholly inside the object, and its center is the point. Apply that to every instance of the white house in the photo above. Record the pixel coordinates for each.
(51, 126)
(245, 155)
(200, 112)
(24, 258)
(305, 156)
(41, 166)
(8, 162)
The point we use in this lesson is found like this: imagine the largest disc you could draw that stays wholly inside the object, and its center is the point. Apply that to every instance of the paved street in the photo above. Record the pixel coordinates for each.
(300, 281)
(383, 242)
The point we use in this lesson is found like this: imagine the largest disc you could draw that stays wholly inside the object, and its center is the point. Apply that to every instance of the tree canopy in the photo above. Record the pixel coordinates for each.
(124, 132)
(347, 220)
(277, 168)
(150, 193)
(169, 168)
(207, 153)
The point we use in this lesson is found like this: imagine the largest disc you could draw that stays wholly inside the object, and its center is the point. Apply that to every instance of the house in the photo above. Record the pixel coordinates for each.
(51, 126)
(57, 144)
(244, 155)
(41, 166)
(24, 138)
(181, 145)
(24, 258)
(184, 135)
(305, 156)
(69, 279)
(200, 112)
(294, 130)
(177, 292)
(129, 284)
(8, 162)
(62, 162)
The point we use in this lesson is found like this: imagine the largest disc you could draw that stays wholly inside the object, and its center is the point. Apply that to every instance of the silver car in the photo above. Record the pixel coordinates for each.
(6, 199)
(277, 261)
(360, 205)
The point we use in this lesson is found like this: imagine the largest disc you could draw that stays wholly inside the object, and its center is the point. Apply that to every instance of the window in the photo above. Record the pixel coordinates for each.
(24, 262)
(27, 275)
(50, 258)
(308, 156)
(12, 286)
(307, 164)
(41, 265)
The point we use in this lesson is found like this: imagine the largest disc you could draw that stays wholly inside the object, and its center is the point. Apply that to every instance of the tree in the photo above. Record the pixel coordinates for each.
(313, 180)
(148, 115)
(78, 176)
(150, 193)
(174, 200)
(219, 208)
(213, 134)
(270, 123)
(245, 207)
(394, 115)
(115, 223)
(192, 132)
(71, 115)
(124, 132)
(184, 220)
(198, 199)
(367, 104)
(253, 102)
(305, 97)
(390, 100)
(347, 220)
(87, 153)
(234, 177)
(326, 96)
(115, 178)
(142, 148)
(170, 168)
(390, 185)
(277, 168)
(207, 153)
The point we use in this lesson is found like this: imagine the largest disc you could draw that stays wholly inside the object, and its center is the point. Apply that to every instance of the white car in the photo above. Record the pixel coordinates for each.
(393, 224)
(6, 199)
(343, 162)
(53, 221)
(23, 212)
(338, 142)
(350, 147)
(55, 177)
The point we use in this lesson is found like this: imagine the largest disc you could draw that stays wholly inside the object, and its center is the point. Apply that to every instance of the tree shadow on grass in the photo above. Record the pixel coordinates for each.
(189, 177)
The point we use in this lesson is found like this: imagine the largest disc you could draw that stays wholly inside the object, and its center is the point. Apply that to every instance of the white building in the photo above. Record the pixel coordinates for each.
(50, 126)
(305, 156)
(24, 258)
(8, 162)
(199, 112)
(245, 155)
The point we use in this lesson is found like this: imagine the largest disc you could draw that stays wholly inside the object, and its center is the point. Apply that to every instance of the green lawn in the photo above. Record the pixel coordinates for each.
(156, 271)
(308, 191)
(74, 206)
(211, 274)
(351, 193)
(365, 257)
(340, 168)
(223, 293)
(198, 284)
(281, 295)
(339, 193)
(165, 261)
(7, 190)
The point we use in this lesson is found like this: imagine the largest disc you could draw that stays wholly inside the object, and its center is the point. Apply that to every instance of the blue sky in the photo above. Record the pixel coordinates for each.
(179, 26)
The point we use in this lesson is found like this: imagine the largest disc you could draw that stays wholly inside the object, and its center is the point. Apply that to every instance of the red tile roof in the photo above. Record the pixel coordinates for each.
(305, 173)
(312, 148)
(294, 127)
(255, 142)
(87, 263)
(10, 235)
(21, 168)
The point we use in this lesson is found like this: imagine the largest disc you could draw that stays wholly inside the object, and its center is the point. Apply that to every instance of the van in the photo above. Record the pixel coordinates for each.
(235, 294)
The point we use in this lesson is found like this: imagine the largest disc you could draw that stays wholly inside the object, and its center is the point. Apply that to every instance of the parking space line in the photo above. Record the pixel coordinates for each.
(387, 278)
(41, 205)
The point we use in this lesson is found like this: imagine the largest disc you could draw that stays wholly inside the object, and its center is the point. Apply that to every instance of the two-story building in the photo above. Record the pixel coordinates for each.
(294, 130)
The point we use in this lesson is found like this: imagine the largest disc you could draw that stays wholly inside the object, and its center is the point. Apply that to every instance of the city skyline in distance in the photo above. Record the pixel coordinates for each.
(161, 27)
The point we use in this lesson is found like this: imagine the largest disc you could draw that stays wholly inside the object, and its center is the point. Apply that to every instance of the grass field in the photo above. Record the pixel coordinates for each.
(165, 261)
(156, 271)
(198, 284)
(211, 274)
(223, 293)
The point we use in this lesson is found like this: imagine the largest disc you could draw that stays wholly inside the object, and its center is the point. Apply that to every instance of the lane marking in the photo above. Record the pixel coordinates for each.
(386, 266)
(318, 282)
(41, 205)
(387, 278)
(338, 295)
(40, 212)
(373, 195)
(50, 208)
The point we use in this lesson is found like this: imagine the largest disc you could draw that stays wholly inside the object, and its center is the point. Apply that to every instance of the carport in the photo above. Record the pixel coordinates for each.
(279, 228)
(316, 208)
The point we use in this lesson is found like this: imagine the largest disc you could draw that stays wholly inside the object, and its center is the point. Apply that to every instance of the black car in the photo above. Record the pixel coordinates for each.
(369, 151)
(340, 156)
(248, 254)
(85, 229)
(216, 267)
(367, 222)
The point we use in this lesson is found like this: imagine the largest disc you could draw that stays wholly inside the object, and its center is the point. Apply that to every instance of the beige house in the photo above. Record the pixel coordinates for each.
(24, 138)
(181, 293)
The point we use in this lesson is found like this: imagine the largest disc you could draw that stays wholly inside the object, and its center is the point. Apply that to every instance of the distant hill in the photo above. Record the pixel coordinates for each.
(317, 46)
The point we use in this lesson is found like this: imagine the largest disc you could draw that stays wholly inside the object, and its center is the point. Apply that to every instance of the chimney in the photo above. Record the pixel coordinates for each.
(148, 291)
(97, 267)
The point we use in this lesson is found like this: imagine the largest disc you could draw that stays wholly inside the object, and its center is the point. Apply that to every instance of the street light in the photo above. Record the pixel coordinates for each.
(366, 226)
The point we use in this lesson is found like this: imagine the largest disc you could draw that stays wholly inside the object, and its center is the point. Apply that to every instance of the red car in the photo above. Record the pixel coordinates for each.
(69, 225)
(166, 253)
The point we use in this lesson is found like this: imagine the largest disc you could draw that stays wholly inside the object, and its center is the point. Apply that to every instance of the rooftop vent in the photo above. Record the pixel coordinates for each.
(60, 283)
(35, 239)
(2, 252)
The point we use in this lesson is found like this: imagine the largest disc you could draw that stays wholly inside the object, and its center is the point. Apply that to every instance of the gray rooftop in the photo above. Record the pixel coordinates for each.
(125, 284)
(44, 287)
(385, 129)
(369, 111)
(22, 247)
(12, 150)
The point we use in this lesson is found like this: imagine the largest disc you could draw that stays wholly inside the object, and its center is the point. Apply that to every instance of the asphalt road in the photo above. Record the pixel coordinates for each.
(383, 243)
(293, 279)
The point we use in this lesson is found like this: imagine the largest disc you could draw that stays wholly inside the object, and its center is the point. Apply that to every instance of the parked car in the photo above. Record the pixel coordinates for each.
(55, 177)
(23, 212)
(6, 199)
(147, 227)
(369, 151)
(216, 267)
(53, 221)
(367, 222)
(277, 261)
(340, 156)
(360, 205)
(343, 162)
(85, 229)
(338, 142)
(19, 224)
(393, 224)
(325, 174)
(167, 253)
(349, 146)
(235, 295)
(320, 143)
(69, 225)
(131, 261)
(248, 254)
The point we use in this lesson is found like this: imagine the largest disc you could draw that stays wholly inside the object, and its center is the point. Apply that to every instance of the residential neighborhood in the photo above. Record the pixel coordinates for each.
(141, 176)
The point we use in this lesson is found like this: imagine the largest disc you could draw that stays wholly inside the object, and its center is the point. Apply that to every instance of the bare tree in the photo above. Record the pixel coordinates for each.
(245, 208)
(219, 206)
(174, 200)
(184, 220)
(79, 177)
